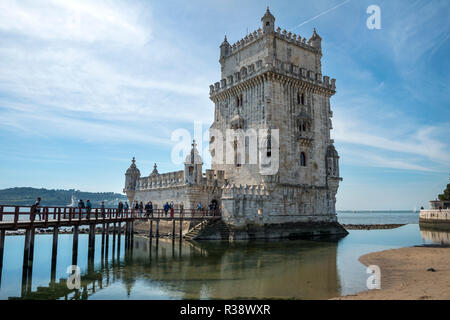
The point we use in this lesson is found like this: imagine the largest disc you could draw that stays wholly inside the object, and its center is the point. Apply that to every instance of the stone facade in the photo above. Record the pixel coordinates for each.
(272, 83)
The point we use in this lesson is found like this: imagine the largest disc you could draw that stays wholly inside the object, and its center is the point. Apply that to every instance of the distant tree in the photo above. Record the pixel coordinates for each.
(446, 195)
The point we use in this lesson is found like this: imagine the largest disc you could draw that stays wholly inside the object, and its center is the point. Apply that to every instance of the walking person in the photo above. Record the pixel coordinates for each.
(120, 207)
(34, 209)
(136, 206)
(147, 209)
(88, 207)
(126, 207)
(102, 208)
(81, 207)
(199, 207)
(141, 208)
(151, 208)
(166, 208)
(171, 210)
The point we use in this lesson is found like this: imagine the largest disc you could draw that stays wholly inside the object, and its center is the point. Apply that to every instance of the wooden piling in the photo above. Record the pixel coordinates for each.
(126, 234)
(30, 258)
(118, 240)
(103, 242)
(173, 229)
(26, 252)
(151, 228)
(181, 228)
(157, 228)
(75, 246)
(92, 227)
(114, 239)
(107, 243)
(54, 253)
(2, 247)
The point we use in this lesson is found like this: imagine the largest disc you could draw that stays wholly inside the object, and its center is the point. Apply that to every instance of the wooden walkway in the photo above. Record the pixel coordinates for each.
(113, 221)
(21, 217)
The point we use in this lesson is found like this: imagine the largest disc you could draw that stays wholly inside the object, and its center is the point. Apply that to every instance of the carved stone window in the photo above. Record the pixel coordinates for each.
(239, 100)
(303, 159)
(300, 98)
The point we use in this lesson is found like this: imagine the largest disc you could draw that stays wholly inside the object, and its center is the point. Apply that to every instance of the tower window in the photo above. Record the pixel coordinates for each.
(303, 99)
(269, 146)
(239, 101)
(267, 23)
(303, 159)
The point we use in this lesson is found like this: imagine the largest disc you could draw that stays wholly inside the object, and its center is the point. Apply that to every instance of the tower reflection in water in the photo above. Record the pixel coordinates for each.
(297, 269)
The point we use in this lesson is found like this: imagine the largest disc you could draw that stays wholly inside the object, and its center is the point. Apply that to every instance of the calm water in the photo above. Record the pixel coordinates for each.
(172, 270)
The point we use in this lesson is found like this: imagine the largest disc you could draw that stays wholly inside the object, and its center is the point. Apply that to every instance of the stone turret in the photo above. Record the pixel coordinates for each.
(268, 22)
(315, 41)
(225, 48)
(332, 157)
(155, 171)
(131, 180)
(193, 166)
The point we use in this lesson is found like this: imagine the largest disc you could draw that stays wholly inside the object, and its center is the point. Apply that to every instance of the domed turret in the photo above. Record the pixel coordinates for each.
(133, 170)
(268, 22)
(193, 166)
(332, 157)
(155, 171)
(224, 48)
(315, 41)
(131, 180)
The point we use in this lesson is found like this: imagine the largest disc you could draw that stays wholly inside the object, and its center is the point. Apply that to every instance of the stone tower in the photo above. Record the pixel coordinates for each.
(272, 83)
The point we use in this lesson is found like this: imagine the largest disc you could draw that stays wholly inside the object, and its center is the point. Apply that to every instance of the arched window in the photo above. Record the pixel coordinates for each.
(269, 146)
(303, 159)
(237, 155)
(239, 101)
(303, 98)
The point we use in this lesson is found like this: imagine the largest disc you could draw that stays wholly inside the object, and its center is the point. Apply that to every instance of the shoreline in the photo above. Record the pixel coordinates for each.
(409, 273)
(372, 226)
(139, 229)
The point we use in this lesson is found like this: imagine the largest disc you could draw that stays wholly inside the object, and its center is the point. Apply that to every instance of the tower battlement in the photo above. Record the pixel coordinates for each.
(275, 51)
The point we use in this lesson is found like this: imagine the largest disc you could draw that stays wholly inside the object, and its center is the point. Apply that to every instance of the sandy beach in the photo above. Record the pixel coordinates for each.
(404, 274)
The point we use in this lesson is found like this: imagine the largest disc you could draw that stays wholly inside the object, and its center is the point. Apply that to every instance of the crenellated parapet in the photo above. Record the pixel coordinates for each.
(257, 72)
(256, 192)
(285, 35)
(164, 180)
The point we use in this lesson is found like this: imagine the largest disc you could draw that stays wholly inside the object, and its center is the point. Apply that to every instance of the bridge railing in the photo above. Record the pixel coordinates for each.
(46, 213)
(177, 213)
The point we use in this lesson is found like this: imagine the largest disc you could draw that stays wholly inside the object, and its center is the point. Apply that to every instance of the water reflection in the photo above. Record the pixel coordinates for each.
(296, 269)
(142, 269)
(436, 236)
(213, 270)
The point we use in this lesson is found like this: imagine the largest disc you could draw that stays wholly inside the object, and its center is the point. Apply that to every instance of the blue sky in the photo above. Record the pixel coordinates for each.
(87, 85)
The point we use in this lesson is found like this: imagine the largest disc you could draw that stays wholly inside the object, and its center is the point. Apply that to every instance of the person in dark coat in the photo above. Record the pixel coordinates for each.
(141, 208)
(34, 209)
(166, 208)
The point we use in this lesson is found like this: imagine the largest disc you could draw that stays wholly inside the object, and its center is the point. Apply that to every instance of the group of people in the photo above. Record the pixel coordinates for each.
(124, 207)
(87, 206)
(137, 207)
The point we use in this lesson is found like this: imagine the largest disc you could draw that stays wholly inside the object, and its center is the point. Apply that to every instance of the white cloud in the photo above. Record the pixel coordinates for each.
(79, 20)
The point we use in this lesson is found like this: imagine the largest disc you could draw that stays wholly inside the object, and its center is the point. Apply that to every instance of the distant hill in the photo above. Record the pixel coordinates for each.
(27, 196)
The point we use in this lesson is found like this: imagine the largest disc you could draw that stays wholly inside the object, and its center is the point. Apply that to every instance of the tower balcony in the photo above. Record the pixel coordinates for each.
(305, 138)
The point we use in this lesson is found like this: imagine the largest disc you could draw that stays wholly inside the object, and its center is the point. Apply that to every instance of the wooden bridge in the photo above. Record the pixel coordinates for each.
(112, 220)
